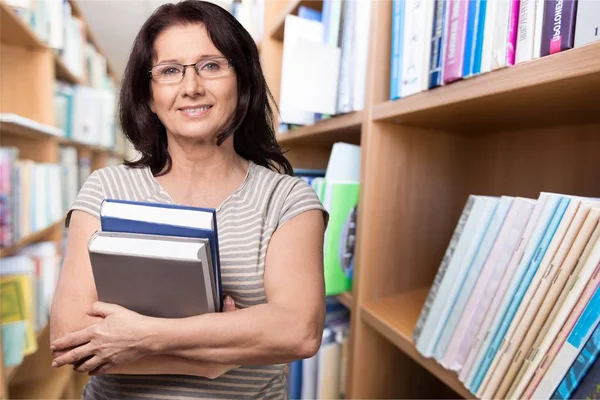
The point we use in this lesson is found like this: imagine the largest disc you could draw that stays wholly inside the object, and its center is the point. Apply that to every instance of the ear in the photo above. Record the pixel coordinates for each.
(151, 104)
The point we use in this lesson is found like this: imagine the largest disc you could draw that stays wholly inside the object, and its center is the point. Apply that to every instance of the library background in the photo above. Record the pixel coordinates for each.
(456, 144)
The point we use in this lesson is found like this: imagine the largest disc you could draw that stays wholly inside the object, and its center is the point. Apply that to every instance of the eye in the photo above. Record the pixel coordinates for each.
(211, 66)
(168, 70)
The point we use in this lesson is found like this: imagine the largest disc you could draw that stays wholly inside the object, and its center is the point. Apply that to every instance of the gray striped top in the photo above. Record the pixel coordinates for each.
(246, 221)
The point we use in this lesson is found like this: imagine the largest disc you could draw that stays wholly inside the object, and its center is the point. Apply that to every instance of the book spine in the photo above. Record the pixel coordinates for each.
(525, 31)
(587, 26)
(437, 45)
(413, 47)
(488, 36)
(454, 47)
(471, 32)
(397, 37)
(512, 32)
(478, 48)
(559, 26)
(540, 6)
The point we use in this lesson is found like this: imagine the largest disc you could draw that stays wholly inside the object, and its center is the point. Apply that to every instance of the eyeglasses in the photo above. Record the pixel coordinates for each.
(206, 69)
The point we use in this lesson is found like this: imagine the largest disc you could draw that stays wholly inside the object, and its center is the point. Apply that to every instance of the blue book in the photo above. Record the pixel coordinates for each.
(397, 38)
(478, 48)
(152, 219)
(589, 387)
(295, 380)
(309, 13)
(587, 356)
(436, 74)
(472, 13)
(518, 295)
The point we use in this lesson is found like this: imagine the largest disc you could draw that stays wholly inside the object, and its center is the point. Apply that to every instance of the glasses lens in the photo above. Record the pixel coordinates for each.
(213, 67)
(167, 72)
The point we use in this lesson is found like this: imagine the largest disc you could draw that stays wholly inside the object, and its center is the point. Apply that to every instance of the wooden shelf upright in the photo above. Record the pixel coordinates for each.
(515, 131)
(29, 69)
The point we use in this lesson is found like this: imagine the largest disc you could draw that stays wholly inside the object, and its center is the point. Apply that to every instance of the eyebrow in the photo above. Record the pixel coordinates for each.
(199, 59)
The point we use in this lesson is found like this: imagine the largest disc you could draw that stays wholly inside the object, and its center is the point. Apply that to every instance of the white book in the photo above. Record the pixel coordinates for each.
(587, 24)
(488, 36)
(538, 27)
(361, 52)
(449, 289)
(526, 31)
(501, 23)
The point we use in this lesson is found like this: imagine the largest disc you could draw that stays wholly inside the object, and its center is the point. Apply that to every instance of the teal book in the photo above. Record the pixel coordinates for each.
(340, 200)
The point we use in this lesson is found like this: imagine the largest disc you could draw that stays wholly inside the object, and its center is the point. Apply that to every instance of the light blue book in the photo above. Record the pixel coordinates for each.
(451, 285)
(516, 299)
(472, 14)
(397, 40)
(478, 52)
(473, 274)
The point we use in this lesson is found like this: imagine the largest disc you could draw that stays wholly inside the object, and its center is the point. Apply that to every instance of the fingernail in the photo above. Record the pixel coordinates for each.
(229, 299)
(54, 363)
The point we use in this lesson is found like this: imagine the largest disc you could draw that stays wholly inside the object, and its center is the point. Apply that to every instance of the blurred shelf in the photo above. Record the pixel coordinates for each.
(346, 299)
(395, 318)
(63, 73)
(29, 239)
(292, 9)
(340, 128)
(16, 125)
(552, 90)
(15, 32)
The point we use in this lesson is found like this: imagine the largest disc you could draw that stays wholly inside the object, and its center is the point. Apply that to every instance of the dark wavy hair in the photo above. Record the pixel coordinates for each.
(252, 121)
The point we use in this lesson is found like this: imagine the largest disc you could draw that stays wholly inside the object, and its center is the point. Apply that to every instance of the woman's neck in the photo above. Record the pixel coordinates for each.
(196, 167)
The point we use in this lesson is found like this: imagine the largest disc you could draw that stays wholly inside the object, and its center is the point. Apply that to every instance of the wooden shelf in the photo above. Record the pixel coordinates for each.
(342, 128)
(49, 387)
(63, 73)
(292, 9)
(395, 318)
(346, 299)
(29, 239)
(15, 32)
(553, 90)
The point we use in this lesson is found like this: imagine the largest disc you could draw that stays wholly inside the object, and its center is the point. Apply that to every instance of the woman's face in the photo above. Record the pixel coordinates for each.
(193, 107)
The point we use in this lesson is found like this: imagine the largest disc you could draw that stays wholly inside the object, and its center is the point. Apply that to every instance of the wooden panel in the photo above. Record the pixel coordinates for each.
(40, 150)
(13, 31)
(346, 299)
(27, 83)
(395, 318)
(557, 89)
(277, 30)
(314, 157)
(64, 74)
(524, 163)
(343, 128)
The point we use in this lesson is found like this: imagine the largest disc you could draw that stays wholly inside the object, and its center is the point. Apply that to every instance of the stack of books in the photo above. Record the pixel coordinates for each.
(159, 260)
(515, 306)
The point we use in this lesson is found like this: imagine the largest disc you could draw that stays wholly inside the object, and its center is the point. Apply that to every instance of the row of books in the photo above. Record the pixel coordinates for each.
(86, 114)
(27, 285)
(436, 42)
(515, 306)
(34, 195)
(323, 376)
(251, 14)
(338, 188)
(56, 26)
(334, 44)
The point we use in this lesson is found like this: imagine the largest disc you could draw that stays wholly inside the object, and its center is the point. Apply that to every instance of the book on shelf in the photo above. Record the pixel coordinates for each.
(156, 229)
(518, 307)
(27, 284)
(467, 38)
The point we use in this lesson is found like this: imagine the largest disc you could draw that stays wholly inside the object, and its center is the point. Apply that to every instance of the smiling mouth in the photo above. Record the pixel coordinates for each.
(195, 111)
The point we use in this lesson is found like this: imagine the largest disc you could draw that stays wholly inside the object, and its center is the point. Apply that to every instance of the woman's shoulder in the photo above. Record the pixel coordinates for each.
(124, 182)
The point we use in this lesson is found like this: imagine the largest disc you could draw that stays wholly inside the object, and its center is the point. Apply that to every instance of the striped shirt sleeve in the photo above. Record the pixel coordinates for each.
(89, 198)
(300, 198)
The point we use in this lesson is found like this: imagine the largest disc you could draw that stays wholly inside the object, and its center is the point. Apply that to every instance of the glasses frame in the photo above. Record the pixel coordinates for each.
(185, 67)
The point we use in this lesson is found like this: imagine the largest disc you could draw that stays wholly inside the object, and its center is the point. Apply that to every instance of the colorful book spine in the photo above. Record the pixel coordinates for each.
(513, 26)
(558, 32)
(436, 71)
(397, 42)
(470, 37)
(480, 30)
(454, 42)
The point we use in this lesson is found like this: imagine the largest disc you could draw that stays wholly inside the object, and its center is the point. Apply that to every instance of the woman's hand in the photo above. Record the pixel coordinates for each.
(119, 338)
(116, 340)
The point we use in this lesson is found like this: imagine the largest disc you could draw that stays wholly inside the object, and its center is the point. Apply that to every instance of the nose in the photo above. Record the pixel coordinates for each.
(192, 84)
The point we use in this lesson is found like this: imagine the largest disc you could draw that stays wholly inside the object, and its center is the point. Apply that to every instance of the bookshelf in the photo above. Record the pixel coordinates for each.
(29, 70)
(515, 131)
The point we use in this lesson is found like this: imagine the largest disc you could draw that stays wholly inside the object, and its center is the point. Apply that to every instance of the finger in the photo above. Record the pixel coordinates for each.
(74, 356)
(101, 309)
(72, 340)
(89, 365)
(228, 304)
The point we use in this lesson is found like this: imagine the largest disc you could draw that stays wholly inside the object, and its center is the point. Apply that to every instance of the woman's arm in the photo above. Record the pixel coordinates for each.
(289, 326)
(76, 293)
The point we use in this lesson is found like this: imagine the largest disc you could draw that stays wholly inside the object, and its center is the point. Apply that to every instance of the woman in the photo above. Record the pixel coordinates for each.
(194, 103)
